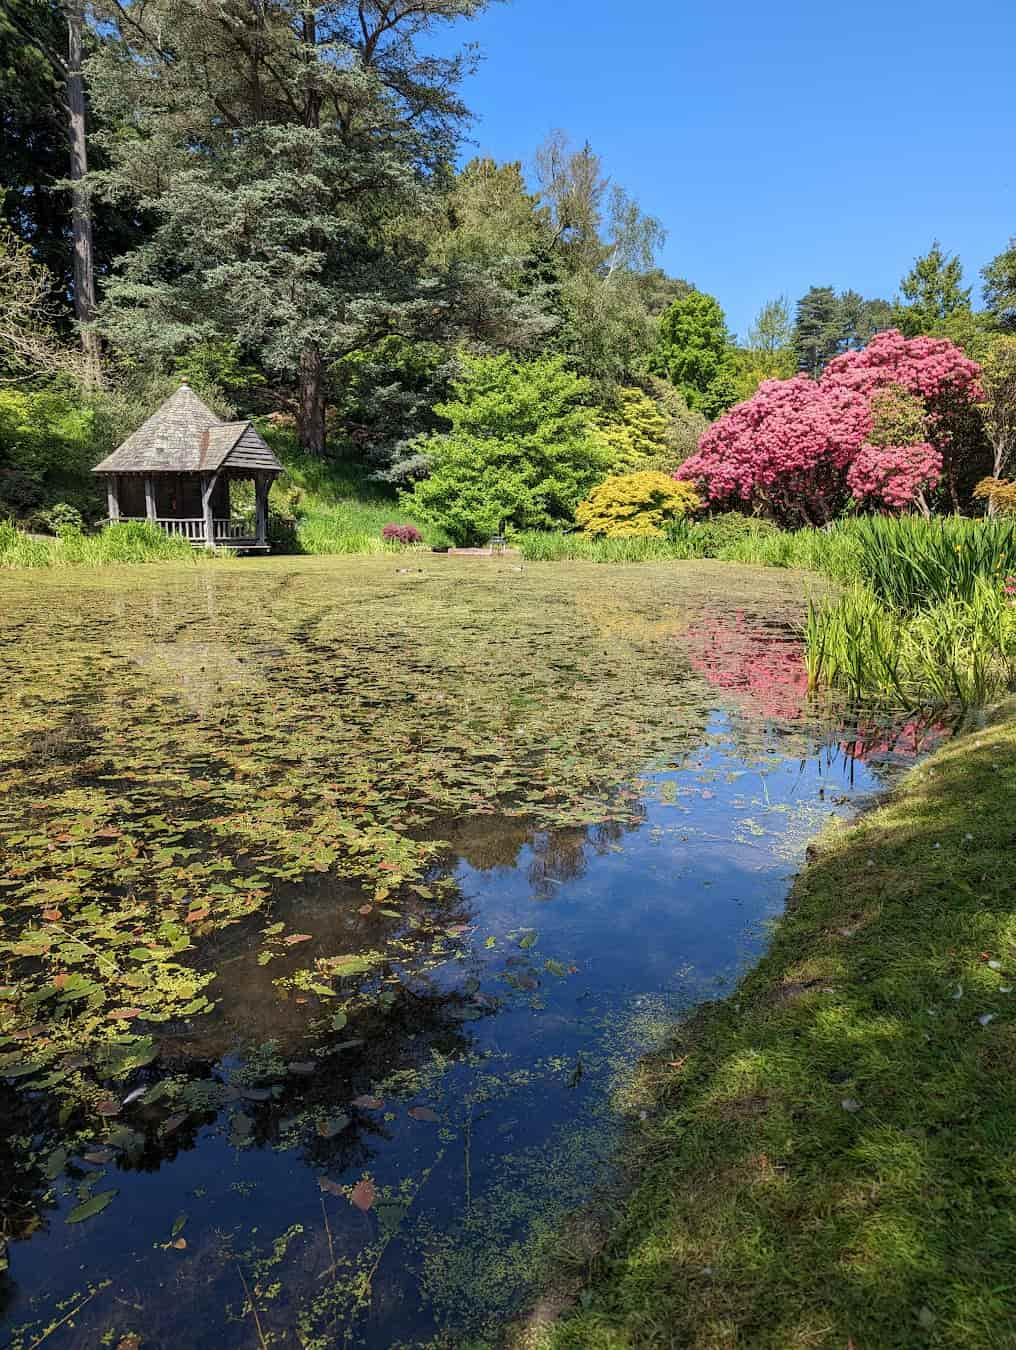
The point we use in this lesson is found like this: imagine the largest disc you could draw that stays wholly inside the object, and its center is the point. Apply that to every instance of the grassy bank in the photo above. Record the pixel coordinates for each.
(828, 1158)
(333, 507)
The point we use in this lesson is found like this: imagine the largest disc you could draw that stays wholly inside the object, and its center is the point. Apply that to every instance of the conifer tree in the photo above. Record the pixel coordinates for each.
(279, 146)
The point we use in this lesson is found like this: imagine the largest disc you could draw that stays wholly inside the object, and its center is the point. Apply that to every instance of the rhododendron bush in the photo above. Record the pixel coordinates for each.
(802, 447)
(896, 476)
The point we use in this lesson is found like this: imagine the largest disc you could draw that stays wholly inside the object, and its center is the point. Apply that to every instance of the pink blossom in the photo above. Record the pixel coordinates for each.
(894, 476)
(791, 446)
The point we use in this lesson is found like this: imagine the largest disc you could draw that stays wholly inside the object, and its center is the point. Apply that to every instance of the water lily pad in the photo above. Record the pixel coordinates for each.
(92, 1206)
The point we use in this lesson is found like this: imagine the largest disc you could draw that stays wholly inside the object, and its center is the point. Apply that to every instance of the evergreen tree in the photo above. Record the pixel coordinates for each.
(818, 330)
(933, 293)
(1000, 289)
(281, 149)
(861, 319)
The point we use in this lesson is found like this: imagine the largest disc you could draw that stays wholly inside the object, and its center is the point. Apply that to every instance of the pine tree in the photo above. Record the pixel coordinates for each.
(818, 329)
(280, 147)
(1000, 289)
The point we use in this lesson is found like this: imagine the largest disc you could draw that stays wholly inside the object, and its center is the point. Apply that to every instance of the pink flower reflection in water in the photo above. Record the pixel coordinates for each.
(761, 666)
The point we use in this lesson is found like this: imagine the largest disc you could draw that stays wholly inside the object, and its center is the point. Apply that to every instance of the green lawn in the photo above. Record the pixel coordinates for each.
(829, 1157)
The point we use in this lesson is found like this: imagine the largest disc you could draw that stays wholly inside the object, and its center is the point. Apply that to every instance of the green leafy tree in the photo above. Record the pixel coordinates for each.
(769, 354)
(772, 332)
(932, 294)
(695, 352)
(605, 248)
(280, 149)
(998, 380)
(1000, 289)
(521, 453)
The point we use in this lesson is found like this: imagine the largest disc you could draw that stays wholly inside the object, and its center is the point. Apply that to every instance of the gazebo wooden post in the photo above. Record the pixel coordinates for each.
(113, 497)
(150, 510)
(208, 482)
(262, 484)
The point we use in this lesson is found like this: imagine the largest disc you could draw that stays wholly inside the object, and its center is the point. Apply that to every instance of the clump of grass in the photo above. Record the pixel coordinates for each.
(912, 563)
(826, 1157)
(546, 546)
(961, 650)
(127, 542)
(18, 549)
(833, 552)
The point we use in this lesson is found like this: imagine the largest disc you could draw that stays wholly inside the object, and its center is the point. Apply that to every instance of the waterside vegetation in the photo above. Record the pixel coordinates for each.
(825, 1155)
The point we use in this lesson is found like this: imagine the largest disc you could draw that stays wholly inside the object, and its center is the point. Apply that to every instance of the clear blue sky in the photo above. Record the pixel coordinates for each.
(781, 146)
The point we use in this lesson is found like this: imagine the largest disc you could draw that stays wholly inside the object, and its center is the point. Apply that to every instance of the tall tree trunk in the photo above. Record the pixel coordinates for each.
(310, 417)
(81, 212)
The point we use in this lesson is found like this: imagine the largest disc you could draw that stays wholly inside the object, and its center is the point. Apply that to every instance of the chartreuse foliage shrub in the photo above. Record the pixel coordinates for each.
(649, 430)
(521, 452)
(636, 504)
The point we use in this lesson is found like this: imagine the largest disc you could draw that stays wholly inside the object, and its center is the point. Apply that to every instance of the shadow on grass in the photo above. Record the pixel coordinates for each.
(829, 1157)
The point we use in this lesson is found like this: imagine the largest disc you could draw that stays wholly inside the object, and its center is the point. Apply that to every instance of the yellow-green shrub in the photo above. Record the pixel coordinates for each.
(636, 504)
(652, 429)
(1000, 494)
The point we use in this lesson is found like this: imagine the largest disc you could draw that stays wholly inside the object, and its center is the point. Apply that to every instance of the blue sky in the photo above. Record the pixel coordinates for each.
(785, 146)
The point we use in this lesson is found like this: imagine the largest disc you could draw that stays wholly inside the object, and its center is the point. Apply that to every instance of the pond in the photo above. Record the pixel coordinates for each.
(340, 899)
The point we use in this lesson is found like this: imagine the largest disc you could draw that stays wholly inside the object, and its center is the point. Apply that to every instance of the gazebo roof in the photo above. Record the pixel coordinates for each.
(185, 436)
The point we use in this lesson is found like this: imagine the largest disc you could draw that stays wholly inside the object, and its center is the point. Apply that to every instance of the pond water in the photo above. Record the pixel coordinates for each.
(339, 901)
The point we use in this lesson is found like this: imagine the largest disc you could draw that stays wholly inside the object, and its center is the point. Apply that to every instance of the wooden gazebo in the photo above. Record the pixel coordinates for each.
(176, 471)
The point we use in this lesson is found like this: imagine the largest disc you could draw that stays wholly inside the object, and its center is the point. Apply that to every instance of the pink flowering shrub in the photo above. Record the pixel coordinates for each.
(790, 448)
(895, 476)
(401, 534)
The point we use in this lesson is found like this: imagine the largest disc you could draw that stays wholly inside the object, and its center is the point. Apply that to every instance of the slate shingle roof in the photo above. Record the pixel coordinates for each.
(185, 436)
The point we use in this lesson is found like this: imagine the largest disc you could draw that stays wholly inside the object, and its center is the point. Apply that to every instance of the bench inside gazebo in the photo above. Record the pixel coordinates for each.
(176, 471)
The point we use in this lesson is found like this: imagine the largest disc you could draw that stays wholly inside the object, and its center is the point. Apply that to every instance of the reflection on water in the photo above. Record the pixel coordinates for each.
(401, 1087)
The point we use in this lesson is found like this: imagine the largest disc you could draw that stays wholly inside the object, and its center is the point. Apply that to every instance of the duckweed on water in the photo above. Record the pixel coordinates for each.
(232, 808)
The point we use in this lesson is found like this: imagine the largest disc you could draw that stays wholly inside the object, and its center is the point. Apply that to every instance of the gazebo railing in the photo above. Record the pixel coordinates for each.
(226, 530)
(193, 528)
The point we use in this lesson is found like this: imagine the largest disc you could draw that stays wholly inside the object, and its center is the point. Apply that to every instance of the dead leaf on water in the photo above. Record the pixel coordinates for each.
(363, 1195)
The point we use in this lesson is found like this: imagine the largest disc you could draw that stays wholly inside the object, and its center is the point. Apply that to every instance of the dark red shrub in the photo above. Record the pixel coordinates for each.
(401, 534)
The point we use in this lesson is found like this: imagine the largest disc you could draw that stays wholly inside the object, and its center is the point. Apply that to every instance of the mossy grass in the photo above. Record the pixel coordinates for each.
(827, 1158)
